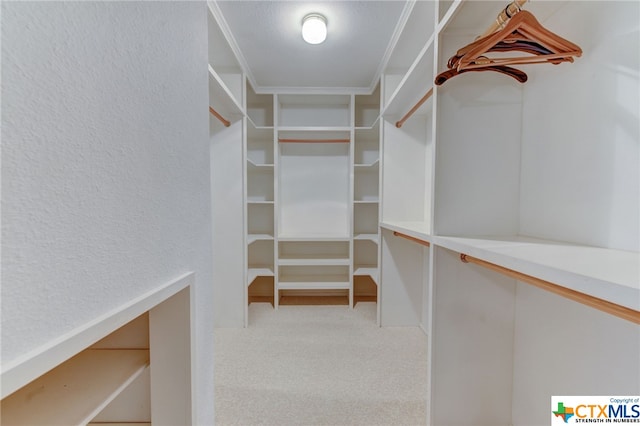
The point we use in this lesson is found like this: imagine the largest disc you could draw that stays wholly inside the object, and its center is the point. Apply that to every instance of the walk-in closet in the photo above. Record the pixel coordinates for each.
(428, 212)
(495, 210)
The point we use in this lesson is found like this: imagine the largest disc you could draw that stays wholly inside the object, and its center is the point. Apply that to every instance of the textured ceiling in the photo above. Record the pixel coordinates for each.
(267, 34)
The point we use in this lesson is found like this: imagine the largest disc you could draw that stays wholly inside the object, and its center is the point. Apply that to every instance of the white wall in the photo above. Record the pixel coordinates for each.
(323, 210)
(105, 167)
(581, 179)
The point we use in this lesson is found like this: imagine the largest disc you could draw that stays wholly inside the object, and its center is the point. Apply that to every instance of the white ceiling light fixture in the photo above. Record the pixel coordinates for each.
(314, 28)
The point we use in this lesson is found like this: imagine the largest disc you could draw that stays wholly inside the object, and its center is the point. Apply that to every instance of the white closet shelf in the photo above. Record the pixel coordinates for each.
(370, 270)
(221, 98)
(413, 86)
(314, 129)
(77, 390)
(118, 424)
(258, 127)
(255, 167)
(372, 127)
(313, 238)
(259, 201)
(366, 201)
(368, 167)
(252, 238)
(259, 271)
(262, 133)
(307, 260)
(419, 230)
(611, 275)
(314, 282)
(366, 237)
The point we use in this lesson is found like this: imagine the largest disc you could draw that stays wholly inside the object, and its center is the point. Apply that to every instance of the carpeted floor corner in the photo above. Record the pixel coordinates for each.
(320, 365)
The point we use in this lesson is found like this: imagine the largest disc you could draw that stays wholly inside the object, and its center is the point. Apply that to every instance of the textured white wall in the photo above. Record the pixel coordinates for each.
(105, 166)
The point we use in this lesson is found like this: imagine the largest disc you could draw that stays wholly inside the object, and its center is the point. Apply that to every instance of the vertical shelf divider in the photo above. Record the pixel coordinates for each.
(352, 106)
(276, 204)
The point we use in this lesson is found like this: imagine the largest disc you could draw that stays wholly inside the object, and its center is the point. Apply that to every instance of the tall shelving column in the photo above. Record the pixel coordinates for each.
(275, 146)
(352, 265)
(407, 175)
(313, 134)
(227, 130)
(260, 199)
(366, 194)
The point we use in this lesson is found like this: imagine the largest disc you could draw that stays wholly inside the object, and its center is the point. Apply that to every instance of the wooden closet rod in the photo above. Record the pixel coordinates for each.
(217, 115)
(512, 8)
(313, 140)
(414, 239)
(594, 302)
(415, 108)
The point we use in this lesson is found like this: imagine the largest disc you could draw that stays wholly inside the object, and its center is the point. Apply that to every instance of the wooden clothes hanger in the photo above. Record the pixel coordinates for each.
(524, 33)
(521, 32)
(518, 75)
(506, 46)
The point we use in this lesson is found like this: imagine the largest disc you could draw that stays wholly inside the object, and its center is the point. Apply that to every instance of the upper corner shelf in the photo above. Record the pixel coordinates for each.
(417, 23)
(221, 97)
(413, 85)
(259, 109)
(367, 109)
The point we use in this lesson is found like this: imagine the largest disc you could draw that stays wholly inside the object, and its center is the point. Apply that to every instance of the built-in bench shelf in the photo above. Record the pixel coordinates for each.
(90, 377)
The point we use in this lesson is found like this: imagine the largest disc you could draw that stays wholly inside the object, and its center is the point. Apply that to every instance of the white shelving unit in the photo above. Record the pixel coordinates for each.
(500, 172)
(226, 78)
(237, 171)
(366, 186)
(314, 138)
(295, 192)
(259, 196)
(312, 191)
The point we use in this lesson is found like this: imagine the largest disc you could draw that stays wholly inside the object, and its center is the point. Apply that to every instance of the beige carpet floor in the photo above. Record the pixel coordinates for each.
(319, 365)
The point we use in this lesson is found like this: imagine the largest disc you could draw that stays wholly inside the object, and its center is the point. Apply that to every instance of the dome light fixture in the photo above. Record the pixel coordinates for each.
(314, 28)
